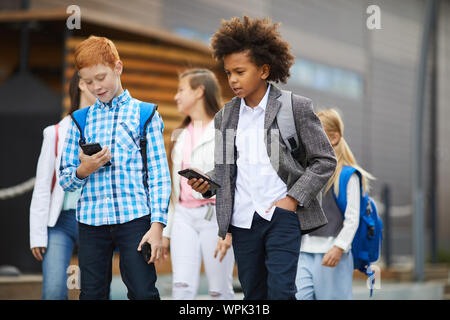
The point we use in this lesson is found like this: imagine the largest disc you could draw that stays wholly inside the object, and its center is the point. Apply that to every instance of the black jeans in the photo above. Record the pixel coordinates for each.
(96, 245)
(267, 256)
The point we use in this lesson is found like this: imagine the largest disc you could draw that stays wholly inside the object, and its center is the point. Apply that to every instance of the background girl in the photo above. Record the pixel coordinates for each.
(53, 226)
(192, 226)
(325, 268)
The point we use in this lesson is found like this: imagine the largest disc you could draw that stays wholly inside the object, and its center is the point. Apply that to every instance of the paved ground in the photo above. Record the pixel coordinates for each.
(386, 290)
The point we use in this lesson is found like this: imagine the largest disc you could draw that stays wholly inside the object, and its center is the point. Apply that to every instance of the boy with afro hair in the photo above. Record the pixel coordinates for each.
(268, 196)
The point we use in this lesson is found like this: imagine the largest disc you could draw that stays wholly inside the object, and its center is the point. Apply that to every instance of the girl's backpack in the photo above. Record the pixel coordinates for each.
(366, 245)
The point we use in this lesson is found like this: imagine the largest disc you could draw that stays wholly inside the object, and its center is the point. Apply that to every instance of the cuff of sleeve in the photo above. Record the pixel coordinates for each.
(302, 198)
(78, 182)
(341, 244)
(159, 218)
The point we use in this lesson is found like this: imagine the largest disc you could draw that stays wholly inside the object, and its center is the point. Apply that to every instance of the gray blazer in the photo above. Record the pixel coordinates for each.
(304, 177)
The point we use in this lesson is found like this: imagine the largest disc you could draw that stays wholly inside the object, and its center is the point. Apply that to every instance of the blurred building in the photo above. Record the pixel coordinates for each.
(369, 75)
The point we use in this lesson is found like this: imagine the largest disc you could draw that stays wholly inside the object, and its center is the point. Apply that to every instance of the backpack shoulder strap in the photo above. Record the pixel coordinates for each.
(286, 123)
(146, 113)
(344, 177)
(79, 118)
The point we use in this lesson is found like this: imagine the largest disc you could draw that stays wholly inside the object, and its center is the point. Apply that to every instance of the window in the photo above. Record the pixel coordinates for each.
(326, 78)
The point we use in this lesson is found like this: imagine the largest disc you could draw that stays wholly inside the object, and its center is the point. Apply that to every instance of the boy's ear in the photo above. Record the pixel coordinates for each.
(82, 85)
(119, 67)
(265, 71)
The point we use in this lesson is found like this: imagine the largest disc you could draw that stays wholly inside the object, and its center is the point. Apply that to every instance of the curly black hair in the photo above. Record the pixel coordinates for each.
(262, 40)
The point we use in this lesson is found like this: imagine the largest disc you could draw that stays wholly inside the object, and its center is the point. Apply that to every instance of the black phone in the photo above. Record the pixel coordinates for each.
(189, 174)
(146, 251)
(93, 148)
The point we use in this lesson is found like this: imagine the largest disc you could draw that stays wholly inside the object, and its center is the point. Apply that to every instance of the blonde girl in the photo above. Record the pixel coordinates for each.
(325, 268)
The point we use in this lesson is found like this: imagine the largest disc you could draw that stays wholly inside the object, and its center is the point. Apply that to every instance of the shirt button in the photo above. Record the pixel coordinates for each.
(109, 132)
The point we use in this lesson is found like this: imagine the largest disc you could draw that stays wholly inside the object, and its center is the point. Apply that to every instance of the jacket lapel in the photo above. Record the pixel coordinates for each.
(231, 114)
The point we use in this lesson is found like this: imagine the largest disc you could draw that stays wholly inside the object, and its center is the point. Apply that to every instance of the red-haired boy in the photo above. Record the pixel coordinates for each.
(115, 210)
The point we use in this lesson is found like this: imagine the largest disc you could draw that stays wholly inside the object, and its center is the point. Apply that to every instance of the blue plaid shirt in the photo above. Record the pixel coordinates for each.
(116, 194)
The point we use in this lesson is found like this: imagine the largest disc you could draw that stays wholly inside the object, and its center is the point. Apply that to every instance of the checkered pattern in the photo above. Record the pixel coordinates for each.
(116, 194)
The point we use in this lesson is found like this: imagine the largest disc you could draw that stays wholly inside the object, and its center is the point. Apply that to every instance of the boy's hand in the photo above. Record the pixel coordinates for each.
(199, 185)
(223, 245)
(154, 238)
(165, 247)
(287, 203)
(332, 258)
(90, 164)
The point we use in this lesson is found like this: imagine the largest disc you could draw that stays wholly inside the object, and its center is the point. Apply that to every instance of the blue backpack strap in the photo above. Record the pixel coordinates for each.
(79, 118)
(146, 113)
(344, 178)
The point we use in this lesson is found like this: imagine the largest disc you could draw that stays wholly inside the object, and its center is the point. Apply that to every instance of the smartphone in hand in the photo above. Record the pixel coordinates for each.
(190, 174)
(146, 251)
(93, 148)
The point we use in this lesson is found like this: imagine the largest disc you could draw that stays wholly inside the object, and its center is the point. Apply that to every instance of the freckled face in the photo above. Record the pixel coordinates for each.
(102, 81)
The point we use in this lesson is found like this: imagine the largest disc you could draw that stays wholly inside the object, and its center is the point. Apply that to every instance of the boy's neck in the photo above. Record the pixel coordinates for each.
(255, 98)
(118, 93)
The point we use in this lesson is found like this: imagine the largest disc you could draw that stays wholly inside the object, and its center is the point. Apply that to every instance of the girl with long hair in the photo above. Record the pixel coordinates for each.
(325, 267)
(192, 226)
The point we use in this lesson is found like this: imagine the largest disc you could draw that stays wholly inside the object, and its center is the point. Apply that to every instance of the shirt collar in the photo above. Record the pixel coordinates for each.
(262, 103)
(116, 101)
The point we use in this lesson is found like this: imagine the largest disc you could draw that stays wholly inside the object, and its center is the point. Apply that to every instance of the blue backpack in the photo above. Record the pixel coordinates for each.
(366, 245)
(146, 113)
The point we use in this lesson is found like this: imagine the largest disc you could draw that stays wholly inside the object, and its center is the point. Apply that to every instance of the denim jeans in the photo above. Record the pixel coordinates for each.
(61, 240)
(95, 252)
(267, 256)
(317, 282)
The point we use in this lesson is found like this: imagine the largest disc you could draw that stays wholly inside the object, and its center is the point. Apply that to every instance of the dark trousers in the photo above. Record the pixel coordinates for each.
(96, 246)
(267, 256)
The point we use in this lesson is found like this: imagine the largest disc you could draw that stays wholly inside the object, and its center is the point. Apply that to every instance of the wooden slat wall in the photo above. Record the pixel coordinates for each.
(151, 74)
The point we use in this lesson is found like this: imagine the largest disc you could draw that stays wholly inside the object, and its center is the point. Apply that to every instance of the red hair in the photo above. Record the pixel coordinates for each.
(96, 50)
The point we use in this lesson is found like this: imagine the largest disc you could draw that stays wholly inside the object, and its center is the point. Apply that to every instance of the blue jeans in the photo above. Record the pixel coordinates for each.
(317, 282)
(95, 252)
(61, 240)
(267, 256)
